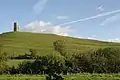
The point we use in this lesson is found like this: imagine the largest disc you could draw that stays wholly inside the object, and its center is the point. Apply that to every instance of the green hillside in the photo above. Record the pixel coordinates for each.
(15, 43)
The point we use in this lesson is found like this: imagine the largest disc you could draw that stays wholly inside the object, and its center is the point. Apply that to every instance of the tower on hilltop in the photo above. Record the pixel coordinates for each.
(16, 27)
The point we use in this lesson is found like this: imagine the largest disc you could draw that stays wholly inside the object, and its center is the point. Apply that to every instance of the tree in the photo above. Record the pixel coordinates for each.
(33, 53)
(105, 60)
(3, 56)
(59, 46)
(3, 67)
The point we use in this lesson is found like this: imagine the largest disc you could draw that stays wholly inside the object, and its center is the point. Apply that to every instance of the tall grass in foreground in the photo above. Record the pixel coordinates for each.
(67, 77)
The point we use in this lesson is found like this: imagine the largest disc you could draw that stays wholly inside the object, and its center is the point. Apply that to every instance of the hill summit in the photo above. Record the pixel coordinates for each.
(15, 43)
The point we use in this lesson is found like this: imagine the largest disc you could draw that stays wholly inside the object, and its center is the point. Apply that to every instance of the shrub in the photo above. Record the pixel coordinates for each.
(25, 67)
(78, 63)
(13, 70)
(32, 55)
(105, 60)
(25, 56)
(3, 56)
(43, 65)
(51, 65)
(4, 69)
(59, 46)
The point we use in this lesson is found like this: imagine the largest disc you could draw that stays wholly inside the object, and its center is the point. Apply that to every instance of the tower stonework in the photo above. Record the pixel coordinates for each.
(16, 27)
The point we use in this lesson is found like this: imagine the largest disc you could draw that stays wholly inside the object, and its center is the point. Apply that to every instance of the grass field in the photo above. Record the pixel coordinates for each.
(68, 77)
(93, 77)
(15, 62)
(16, 43)
(19, 43)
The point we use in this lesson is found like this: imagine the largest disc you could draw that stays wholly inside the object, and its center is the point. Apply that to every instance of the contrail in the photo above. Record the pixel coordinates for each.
(39, 6)
(89, 18)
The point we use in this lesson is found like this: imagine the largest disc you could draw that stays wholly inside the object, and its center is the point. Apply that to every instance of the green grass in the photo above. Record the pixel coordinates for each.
(15, 62)
(16, 43)
(93, 77)
(67, 77)
(22, 77)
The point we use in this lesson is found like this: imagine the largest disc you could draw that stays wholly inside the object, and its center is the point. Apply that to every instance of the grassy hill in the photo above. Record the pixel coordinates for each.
(15, 43)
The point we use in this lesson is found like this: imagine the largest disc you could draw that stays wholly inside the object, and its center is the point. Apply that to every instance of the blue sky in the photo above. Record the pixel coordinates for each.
(48, 15)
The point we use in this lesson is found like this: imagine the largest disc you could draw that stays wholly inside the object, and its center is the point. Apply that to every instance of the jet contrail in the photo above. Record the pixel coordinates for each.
(89, 18)
(39, 6)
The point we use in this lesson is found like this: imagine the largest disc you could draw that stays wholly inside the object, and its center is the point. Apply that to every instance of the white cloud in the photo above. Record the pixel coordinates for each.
(100, 8)
(49, 28)
(46, 27)
(114, 40)
(111, 19)
(94, 37)
(92, 17)
(62, 17)
(39, 6)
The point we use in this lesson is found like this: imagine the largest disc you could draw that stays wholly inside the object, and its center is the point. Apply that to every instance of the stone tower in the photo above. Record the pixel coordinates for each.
(16, 27)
